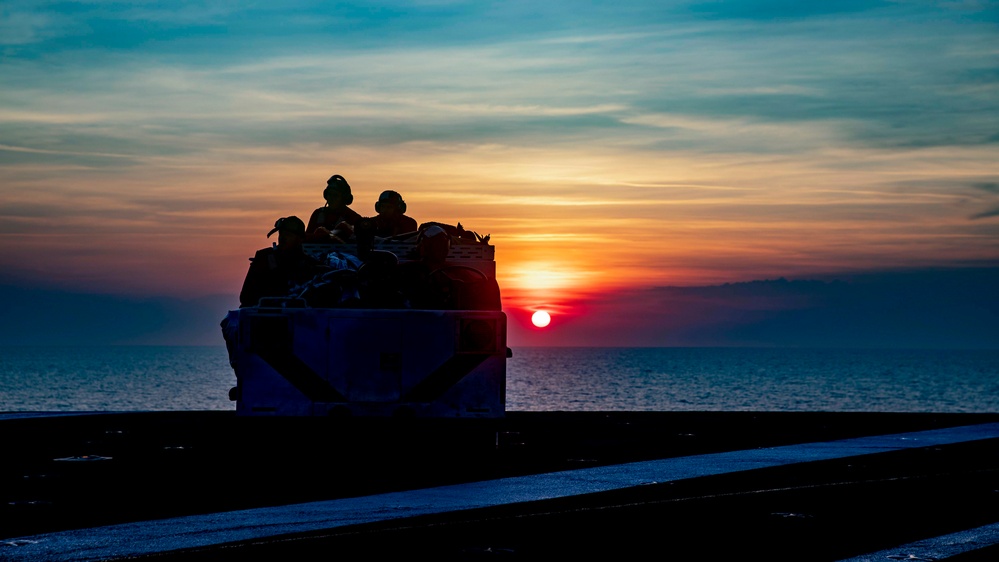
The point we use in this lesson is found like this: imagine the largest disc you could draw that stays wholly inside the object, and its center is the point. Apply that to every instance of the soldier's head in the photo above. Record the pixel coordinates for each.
(433, 245)
(337, 192)
(390, 203)
(291, 232)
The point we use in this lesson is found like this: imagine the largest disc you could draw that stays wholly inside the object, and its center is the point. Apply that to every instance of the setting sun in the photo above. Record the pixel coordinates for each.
(541, 318)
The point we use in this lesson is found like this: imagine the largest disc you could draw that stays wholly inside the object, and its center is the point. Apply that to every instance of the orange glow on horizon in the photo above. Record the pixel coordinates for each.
(189, 228)
(544, 277)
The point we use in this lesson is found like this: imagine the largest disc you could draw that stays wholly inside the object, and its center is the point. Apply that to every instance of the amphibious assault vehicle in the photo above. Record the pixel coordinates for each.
(346, 345)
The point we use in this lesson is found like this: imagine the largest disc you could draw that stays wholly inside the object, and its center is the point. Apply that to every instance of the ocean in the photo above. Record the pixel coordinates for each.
(69, 379)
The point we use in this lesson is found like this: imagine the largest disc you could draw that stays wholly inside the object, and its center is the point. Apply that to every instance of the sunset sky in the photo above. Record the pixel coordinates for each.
(608, 148)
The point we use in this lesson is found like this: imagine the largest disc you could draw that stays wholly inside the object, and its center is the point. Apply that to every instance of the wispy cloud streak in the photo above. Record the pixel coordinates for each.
(698, 142)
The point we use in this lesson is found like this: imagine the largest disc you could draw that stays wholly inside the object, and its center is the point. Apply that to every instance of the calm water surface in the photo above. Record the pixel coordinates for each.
(544, 379)
(725, 379)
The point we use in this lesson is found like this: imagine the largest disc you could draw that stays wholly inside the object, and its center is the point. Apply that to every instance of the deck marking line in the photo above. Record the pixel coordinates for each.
(148, 537)
(936, 548)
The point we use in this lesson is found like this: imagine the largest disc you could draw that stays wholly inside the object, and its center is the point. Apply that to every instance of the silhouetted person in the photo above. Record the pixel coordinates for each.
(275, 271)
(415, 278)
(432, 282)
(377, 273)
(392, 219)
(335, 221)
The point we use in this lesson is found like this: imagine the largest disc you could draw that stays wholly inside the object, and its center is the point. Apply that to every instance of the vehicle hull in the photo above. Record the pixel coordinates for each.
(369, 362)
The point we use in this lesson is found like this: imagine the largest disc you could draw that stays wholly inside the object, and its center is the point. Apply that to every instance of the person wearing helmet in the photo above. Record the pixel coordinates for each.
(391, 219)
(335, 221)
(275, 271)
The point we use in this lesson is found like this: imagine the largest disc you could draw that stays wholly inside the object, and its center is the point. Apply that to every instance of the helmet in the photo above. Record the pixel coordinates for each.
(338, 184)
(389, 196)
(289, 224)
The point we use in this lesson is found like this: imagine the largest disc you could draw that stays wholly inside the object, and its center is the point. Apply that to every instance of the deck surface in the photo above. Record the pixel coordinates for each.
(690, 485)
